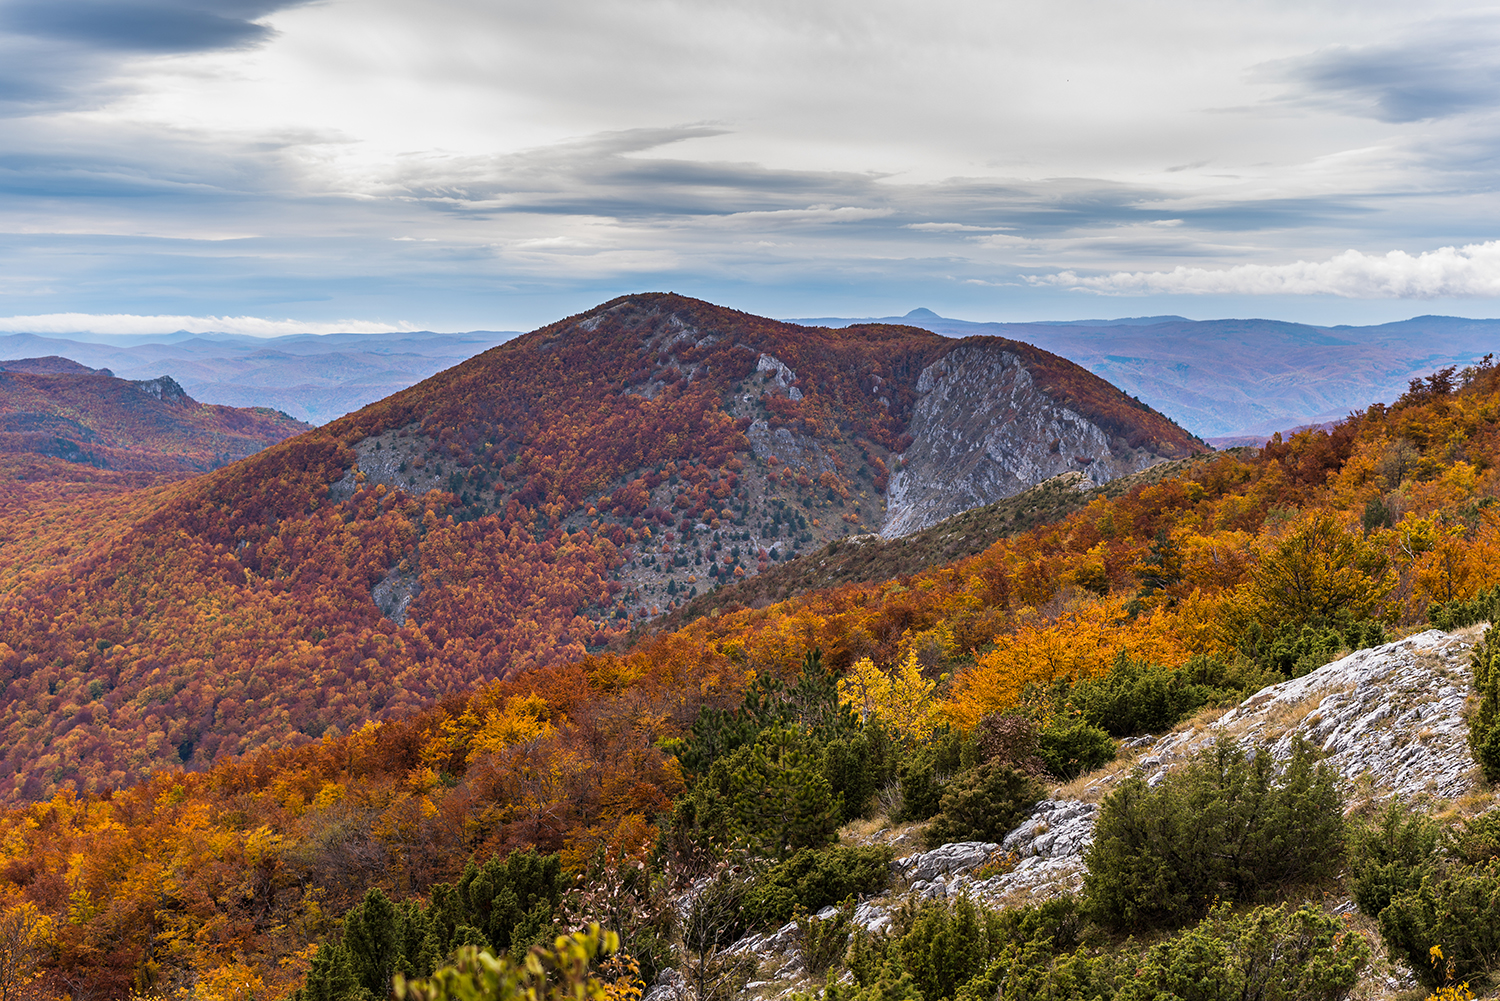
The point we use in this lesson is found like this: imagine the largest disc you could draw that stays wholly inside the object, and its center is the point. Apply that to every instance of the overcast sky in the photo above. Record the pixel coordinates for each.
(269, 166)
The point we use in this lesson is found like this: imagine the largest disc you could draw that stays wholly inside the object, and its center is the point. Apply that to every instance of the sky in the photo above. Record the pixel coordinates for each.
(270, 166)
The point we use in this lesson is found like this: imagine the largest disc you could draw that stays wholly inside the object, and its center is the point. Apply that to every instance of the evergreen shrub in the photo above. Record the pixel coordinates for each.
(984, 804)
(926, 769)
(1390, 856)
(1456, 914)
(1070, 751)
(1484, 714)
(1230, 825)
(815, 879)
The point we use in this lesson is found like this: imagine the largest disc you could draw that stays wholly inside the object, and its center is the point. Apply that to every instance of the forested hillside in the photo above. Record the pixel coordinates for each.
(53, 407)
(511, 513)
(788, 752)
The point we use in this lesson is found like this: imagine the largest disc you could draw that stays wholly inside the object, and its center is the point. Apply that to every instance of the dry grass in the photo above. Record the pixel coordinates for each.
(905, 839)
(1092, 787)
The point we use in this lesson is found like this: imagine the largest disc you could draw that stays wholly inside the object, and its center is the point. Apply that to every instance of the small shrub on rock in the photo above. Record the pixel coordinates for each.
(984, 804)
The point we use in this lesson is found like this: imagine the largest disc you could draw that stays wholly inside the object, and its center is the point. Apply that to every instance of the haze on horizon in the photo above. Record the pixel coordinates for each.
(265, 166)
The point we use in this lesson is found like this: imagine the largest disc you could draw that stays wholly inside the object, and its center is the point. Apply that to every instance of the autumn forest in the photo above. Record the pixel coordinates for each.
(256, 716)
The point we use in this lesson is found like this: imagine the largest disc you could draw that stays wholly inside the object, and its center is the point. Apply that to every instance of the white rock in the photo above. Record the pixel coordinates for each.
(960, 856)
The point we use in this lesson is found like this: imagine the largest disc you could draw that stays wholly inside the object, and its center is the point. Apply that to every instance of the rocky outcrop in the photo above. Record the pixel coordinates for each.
(163, 388)
(395, 592)
(982, 430)
(789, 448)
(957, 857)
(1390, 717)
(782, 376)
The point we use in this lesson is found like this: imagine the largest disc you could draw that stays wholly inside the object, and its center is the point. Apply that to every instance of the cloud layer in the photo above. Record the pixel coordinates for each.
(463, 164)
(1449, 272)
(118, 323)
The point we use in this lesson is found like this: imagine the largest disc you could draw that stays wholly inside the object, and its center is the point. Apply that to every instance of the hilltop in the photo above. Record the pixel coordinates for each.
(511, 513)
(313, 377)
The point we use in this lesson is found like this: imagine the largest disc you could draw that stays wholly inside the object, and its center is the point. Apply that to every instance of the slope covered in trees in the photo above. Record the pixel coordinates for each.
(945, 695)
(510, 513)
(53, 407)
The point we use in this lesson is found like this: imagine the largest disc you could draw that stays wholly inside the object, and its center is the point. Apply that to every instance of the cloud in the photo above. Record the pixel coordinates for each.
(1458, 272)
(1437, 69)
(161, 26)
(948, 227)
(124, 323)
(61, 53)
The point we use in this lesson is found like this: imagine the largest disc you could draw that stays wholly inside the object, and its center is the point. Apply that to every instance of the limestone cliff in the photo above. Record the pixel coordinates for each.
(983, 430)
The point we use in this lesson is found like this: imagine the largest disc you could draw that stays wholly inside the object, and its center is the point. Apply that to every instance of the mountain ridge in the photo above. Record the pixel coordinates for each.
(56, 407)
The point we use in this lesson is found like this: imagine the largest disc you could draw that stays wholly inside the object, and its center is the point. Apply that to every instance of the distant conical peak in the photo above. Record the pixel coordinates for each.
(921, 313)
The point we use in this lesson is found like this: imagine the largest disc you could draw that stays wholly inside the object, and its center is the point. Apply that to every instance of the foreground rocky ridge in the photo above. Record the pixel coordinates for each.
(1389, 720)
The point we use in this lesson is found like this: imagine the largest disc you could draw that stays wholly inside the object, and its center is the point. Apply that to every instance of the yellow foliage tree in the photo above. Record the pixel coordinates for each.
(524, 718)
(1319, 570)
(902, 699)
(1079, 644)
(25, 934)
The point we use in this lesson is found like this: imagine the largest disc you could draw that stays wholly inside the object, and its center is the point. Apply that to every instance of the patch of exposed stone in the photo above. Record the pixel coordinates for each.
(789, 448)
(395, 592)
(1390, 717)
(982, 431)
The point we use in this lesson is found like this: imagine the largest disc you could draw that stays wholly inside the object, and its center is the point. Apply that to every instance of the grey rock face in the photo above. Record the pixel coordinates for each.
(983, 431)
(395, 592)
(960, 856)
(670, 986)
(1393, 713)
(790, 448)
(163, 388)
(783, 375)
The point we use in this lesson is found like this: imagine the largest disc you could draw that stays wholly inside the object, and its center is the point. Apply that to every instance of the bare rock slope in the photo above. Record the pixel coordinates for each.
(983, 430)
(1389, 720)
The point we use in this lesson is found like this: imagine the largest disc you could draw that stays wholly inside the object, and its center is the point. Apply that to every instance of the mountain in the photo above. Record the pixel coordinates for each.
(56, 407)
(511, 512)
(980, 720)
(313, 377)
(1236, 379)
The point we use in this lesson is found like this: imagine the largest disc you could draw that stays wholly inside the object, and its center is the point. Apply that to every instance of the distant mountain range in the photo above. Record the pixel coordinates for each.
(1235, 380)
(313, 377)
(1228, 381)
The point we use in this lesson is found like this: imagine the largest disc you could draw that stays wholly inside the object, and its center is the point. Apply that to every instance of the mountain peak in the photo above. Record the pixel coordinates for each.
(921, 313)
